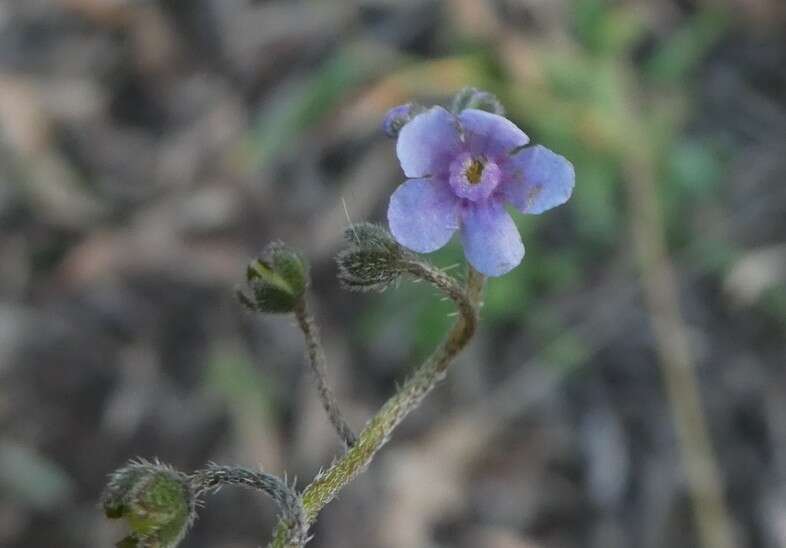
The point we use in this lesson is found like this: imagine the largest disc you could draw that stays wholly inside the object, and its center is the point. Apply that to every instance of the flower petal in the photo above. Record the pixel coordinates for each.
(537, 179)
(491, 240)
(427, 143)
(490, 134)
(423, 214)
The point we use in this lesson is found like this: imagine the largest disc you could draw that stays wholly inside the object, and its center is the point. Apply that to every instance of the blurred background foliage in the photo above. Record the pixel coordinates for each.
(149, 148)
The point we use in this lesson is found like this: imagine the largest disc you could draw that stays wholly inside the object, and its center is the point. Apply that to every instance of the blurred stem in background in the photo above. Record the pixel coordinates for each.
(669, 68)
(591, 100)
(661, 294)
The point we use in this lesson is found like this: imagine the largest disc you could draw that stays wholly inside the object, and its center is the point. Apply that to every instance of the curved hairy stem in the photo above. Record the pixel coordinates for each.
(466, 299)
(318, 361)
(293, 521)
(378, 430)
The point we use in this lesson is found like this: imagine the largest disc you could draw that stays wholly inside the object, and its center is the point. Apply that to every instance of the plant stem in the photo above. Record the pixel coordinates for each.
(715, 527)
(318, 361)
(293, 519)
(378, 430)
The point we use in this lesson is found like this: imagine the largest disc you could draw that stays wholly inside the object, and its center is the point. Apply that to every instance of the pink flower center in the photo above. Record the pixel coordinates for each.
(473, 178)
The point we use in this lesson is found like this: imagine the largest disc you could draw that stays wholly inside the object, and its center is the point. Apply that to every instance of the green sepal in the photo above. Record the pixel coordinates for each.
(277, 280)
(373, 261)
(157, 503)
(473, 98)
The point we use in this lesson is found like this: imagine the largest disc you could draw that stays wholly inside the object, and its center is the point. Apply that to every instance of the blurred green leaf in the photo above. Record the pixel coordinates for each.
(566, 349)
(712, 254)
(567, 352)
(418, 306)
(605, 28)
(31, 478)
(691, 171)
(694, 167)
(773, 304)
(309, 100)
(559, 270)
(508, 297)
(231, 375)
(681, 53)
(595, 201)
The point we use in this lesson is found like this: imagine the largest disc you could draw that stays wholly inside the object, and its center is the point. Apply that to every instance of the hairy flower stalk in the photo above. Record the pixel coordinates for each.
(278, 282)
(293, 516)
(318, 361)
(378, 430)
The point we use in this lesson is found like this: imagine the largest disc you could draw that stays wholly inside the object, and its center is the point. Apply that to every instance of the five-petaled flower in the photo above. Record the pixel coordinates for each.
(461, 171)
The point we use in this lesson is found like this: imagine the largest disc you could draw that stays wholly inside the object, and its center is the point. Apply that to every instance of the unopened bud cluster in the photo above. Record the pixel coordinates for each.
(467, 98)
(476, 99)
(373, 261)
(397, 117)
(156, 502)
(277, 280)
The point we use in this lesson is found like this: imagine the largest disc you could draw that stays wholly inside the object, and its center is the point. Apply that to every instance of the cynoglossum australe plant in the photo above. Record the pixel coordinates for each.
(462, 166)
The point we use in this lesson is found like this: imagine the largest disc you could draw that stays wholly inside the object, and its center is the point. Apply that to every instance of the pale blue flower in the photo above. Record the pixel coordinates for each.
(462, 170)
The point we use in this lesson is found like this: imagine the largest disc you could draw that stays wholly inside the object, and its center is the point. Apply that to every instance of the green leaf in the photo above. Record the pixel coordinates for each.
(680, 54)
(31, 478)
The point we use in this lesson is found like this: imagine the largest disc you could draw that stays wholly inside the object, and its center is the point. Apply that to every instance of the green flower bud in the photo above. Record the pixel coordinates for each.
(277, 280)
(481, 100)
(373, 261)
(156, 501)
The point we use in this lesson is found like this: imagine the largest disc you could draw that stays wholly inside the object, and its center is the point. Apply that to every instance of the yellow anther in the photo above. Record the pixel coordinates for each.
(474, 172)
